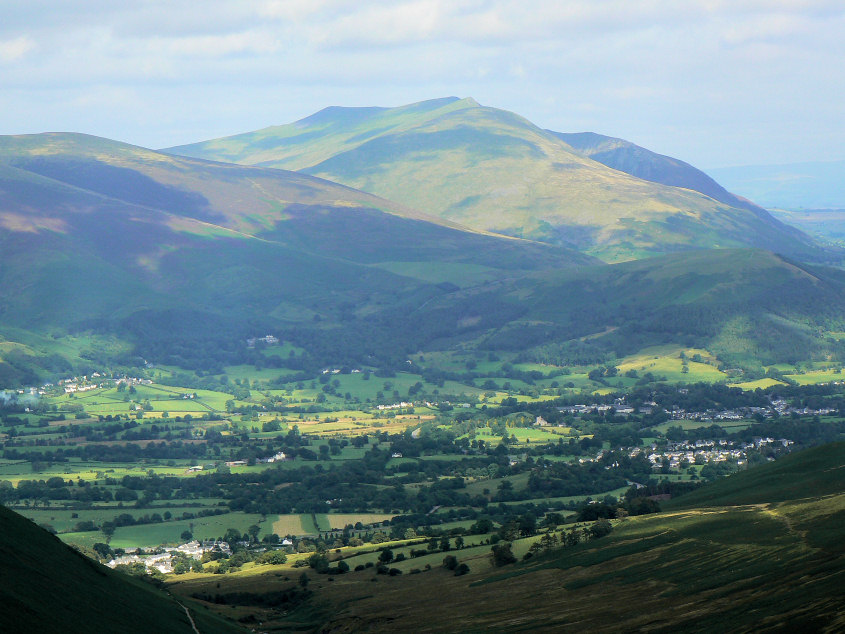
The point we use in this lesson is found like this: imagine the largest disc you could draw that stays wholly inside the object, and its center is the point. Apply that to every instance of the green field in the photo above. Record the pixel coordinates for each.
(758, 384)
(340, 520)
(815, 377)
(170, 532)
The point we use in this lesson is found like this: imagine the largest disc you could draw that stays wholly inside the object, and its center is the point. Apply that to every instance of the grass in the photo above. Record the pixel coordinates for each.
(761, 384)
(63, 520)
(666, 361)
(815, 377)
(288, 525)
(170, 532)
(340, 520)
(310, 525)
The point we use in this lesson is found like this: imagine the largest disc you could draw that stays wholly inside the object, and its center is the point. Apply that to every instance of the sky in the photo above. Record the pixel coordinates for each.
(715, 83)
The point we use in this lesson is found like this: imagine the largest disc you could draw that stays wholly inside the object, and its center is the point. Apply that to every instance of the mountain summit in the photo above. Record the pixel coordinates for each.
(493, 170)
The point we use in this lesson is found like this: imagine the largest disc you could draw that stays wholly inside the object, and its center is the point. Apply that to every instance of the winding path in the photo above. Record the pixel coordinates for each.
(190, 618)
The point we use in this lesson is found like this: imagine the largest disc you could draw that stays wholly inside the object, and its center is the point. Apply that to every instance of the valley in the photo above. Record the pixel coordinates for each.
(271, 401)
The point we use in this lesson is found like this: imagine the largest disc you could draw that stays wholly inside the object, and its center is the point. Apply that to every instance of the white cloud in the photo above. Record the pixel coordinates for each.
(14, 49)
(717, 68)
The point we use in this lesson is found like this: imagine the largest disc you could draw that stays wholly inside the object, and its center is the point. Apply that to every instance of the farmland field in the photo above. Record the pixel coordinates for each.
(170, 532)
(340, 520)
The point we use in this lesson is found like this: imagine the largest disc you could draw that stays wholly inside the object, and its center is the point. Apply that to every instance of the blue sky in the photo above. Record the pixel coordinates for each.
(712, 82)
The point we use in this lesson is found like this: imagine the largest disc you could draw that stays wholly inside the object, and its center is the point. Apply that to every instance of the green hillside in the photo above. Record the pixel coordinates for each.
(105, 237)
(637, 161)
(49, 587)
(748, 306)
(775, 565)
(491, 169)
(812, 473)
(116, 254)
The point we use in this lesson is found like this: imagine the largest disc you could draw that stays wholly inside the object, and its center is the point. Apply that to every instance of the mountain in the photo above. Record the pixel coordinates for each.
(637, 161)
(491, 169)
(748, 306)
(103, 236)
(50, 587)
(117, 254)
(812, 185)
(767, 561)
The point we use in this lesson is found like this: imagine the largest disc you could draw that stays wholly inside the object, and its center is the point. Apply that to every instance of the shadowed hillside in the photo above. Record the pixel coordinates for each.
(49, 587)
(101, 235)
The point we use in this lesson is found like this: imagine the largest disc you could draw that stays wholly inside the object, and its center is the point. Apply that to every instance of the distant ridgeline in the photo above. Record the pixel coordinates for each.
(116, 256)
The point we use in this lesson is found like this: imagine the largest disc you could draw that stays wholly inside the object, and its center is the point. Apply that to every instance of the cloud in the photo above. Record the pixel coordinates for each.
(15, 49)
(713, 67)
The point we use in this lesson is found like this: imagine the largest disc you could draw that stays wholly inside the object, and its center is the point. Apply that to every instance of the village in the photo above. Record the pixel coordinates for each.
(620, 407)
(162, 558)
(679, 455)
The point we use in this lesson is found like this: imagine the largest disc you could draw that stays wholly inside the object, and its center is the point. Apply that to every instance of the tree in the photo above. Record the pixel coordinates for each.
(509, 531)
(303, 580)
(450, 562)
(385, 556)
(273, 557)
(501, 554)
(527, 524)
(459, 542)
(318, 562)
(444, 543)
(481, 526)
(187, 535)
(232, 536)
(600, 529)
(102, 550)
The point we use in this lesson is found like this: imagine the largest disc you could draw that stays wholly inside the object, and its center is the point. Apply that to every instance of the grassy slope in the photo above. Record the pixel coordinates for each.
(777, 563)
(637, 161)
(815, 472)
(48, 587)
(94, 230)
(490, 169)
(744, 304)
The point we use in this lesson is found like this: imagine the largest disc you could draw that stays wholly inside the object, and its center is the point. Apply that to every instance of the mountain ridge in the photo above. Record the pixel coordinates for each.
(494, 170)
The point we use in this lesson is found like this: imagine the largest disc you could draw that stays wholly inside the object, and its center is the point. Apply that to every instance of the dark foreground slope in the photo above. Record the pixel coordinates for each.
(49, 587)
(775, 563)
